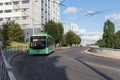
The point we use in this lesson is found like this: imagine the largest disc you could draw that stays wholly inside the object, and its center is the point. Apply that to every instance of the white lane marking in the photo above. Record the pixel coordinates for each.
(116, 69)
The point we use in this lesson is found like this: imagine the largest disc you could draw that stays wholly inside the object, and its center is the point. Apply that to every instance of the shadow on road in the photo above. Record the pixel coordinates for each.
(0, 65)
(106, 77)
(38, 68)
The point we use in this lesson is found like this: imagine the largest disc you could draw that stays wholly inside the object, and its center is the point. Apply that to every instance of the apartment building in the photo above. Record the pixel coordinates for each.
(72, 27)
(30, 14)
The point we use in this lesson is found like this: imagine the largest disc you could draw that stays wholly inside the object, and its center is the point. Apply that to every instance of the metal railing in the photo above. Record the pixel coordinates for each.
(13, 49)
(6, 68)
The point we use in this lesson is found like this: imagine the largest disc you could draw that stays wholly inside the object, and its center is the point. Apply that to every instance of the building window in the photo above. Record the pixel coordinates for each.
(16, 2)
(7, 11)
(16, 10)
(42, 9)
(42, 16)
(1, 19)
(8, 18)
(24, 17)
(1, 11)
(8, 3)
(42, 1)
(25, 1)
(36, 1)
(26, 9)
(49, 7)
(17, 18)
(25, 25)
(1, 4)
(45, 4)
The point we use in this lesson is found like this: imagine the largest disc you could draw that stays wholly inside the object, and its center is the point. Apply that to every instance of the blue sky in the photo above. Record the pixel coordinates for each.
(74, 11)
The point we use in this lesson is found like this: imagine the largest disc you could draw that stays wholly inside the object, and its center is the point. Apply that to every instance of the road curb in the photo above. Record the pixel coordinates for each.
(101, 55)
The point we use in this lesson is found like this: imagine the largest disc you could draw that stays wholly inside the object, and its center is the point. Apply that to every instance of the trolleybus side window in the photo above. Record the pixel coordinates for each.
(50, 41)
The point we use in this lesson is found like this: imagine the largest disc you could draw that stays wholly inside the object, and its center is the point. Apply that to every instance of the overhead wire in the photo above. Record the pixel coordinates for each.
(112, 9)
(106, 10)
(37, 7)
(26, 13)
(60, 3)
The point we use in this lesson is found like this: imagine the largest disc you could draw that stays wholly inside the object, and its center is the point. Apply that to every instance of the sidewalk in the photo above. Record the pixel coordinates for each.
(107, 55)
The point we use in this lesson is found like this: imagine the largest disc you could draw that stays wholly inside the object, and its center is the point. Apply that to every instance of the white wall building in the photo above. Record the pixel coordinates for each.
(73, 27)
(66, 28)
(54, 10)
(30, 14)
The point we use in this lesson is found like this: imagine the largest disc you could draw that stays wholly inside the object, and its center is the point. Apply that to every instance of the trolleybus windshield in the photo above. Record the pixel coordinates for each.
(38, 42)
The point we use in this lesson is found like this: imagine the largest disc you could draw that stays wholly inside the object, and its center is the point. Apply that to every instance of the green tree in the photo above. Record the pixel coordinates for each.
(117, 39)
(108, 35)
(111, 27)
(77, 39)
(55, 30)
(60, 28)
(72, 38)
(110, 41)
(69, 38)
(12, 32)
(4, 33)
(15, 32)
(100, 43)
(64, 40)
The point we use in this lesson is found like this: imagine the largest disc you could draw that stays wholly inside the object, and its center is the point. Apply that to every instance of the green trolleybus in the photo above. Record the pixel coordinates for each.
(41, 43)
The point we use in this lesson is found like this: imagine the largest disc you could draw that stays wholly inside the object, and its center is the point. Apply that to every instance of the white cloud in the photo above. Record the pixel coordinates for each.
(86, 36)
(82, 31)
(91, 36)
(115, 18)
(70, 10)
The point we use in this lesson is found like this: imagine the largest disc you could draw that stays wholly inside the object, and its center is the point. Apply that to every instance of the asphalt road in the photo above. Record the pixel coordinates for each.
(0, 65)
(69, 64)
